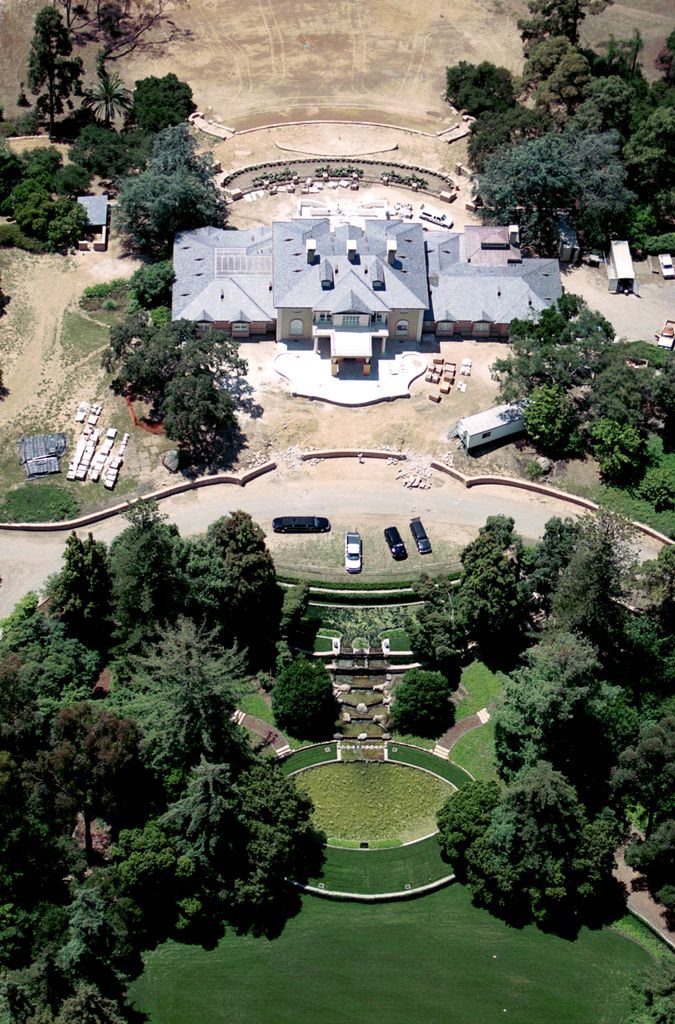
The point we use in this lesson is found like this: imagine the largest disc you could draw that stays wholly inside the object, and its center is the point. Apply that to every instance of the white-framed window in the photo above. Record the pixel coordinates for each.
(296, 327)
(401, 326)
(481, 327)
(446, 325)
(324, 318)
(378, 318)
(239, 328)
(351, 320)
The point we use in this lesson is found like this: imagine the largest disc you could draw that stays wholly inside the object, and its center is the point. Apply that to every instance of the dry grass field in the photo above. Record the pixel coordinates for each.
(270, 60)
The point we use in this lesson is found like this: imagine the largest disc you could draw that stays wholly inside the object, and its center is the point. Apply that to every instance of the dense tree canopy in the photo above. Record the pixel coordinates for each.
(478, 88)
(558, 709)
(422, 704)
(489, 596)
(159, 103)
(303, 701)
(561, 349)
(528, 183)
(193, 381)
(174, 193)
(540, 858)
(464, 818)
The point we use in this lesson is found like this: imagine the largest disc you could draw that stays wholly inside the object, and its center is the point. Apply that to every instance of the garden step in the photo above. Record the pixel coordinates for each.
(440, 751)
(282, 751)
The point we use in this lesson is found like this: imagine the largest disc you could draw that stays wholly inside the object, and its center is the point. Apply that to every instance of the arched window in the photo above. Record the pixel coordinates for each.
(401, 326)
(296, 327)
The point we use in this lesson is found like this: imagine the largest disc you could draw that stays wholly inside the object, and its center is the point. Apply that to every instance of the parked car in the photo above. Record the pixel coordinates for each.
(353, 552)
(395, 543)
(420, 537)
(300, 524)
(667, 268)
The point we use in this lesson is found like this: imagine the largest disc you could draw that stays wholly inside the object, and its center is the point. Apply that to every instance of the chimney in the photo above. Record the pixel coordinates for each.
(351, 249)
(310, 249)
(391, 249)
(514, 235)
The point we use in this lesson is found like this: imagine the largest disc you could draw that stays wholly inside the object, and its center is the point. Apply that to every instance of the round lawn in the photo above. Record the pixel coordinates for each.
(373, 801)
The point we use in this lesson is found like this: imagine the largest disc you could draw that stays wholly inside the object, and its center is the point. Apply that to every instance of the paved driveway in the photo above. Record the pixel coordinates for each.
(364, 495)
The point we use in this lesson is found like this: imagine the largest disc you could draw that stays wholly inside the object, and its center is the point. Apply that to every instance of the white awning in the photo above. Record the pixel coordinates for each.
(351, 344)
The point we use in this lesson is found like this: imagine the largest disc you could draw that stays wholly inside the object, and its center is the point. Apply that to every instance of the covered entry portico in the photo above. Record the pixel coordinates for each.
(353, 344)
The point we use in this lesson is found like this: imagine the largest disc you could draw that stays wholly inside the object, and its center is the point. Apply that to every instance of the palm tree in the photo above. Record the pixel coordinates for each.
(108, 97)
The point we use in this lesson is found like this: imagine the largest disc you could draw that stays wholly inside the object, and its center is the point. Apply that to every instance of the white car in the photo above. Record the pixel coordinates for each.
(353, 560)
(666, 262)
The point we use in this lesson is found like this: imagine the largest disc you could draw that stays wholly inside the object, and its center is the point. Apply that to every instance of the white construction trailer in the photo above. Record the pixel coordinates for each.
(620, 270)
(492, 425)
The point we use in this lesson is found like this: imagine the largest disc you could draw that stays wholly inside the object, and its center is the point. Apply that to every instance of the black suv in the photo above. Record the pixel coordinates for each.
(420, 536)
(300, 524)
(395, 543)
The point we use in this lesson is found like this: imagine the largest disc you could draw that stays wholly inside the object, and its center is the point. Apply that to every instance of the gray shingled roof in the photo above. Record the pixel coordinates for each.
(495, 293)
(223, 275)
(97, 209)
(297, 281)
(248, 275)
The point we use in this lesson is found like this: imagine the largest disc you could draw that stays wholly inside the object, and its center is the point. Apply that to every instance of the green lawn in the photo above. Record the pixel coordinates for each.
(475, 751)
(446, 769)
(436, 960)
(482, 687)
(382, 870)
(256, 705)
(374, 800)
(307, 756)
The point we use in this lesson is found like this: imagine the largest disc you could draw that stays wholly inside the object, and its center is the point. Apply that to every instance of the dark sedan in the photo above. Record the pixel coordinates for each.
(395, 543)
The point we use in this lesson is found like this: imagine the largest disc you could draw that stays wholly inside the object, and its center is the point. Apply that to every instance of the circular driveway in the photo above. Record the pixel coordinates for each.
(364, 496)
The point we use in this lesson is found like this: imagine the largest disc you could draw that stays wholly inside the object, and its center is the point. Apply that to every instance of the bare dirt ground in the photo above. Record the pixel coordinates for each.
(635, 318)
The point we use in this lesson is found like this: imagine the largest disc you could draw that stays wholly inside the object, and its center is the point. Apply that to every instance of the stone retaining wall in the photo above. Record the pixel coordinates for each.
(549, 492)
(166, 492)
(241, 481)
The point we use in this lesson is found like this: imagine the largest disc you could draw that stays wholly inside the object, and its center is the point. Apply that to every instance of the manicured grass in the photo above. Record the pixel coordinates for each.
(256, 705)
(378, 870)
(446, 769)
(308, 756)
(38, 501)
(374, 800)
(398, 639)
(482, 687)
(418, 741)
(475, 751)
(436, 960)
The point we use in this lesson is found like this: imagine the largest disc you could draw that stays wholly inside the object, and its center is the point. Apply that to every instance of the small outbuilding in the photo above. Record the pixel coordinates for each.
(620, 270)
(97, 222)
(495, 424)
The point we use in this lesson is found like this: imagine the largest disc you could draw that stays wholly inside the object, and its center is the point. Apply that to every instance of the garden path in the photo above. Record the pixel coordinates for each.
(276, 739)
(640, 901)
(449, 738)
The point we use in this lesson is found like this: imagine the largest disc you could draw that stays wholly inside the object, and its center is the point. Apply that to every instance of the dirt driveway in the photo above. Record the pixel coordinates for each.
(365, 496)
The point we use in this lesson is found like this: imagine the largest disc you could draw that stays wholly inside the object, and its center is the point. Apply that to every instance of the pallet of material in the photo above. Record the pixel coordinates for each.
(434, 398)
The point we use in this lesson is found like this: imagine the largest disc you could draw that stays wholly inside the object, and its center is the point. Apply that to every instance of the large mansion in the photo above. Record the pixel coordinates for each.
(303, 280)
